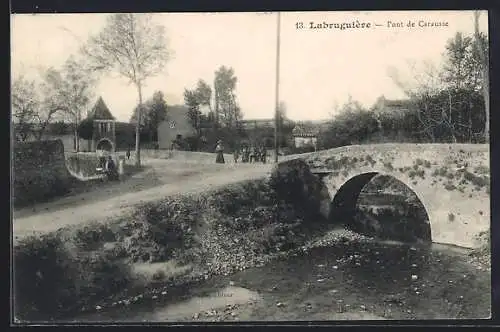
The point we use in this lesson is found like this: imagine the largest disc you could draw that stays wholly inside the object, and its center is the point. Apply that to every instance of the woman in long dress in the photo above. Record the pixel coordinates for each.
(219, 150)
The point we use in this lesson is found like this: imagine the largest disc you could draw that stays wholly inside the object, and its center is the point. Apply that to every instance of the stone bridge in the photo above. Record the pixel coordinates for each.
(451, 181)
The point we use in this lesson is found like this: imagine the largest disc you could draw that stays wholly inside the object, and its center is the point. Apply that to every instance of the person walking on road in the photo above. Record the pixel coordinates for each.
(219, 150)
(236, 155)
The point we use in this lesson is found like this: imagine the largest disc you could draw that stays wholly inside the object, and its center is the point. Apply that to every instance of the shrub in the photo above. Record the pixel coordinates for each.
(50, 280)
(450, 186)
(478, 181)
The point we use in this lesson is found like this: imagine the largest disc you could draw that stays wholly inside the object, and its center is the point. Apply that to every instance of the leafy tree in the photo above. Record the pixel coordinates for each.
(133, 46)
(204, 94)
(193, 100)
(86, 129)
(482, 51)
(227, 111)
(154, 111)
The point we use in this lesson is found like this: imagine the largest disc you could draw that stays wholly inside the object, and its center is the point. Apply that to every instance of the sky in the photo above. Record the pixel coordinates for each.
(319, 68)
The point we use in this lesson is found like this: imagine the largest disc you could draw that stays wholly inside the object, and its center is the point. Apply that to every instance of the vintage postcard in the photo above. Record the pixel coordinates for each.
(243, 167)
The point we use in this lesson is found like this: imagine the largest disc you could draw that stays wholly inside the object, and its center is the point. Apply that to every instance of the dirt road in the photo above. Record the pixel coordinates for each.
(163, 178)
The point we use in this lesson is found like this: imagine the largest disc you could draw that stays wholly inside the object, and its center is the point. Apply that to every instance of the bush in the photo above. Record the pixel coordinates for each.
(51, 280)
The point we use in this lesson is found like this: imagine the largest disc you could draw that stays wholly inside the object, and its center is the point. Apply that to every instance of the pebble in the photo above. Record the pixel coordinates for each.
(164, 293)
(98, 307)
(335, 267)
(414, 277)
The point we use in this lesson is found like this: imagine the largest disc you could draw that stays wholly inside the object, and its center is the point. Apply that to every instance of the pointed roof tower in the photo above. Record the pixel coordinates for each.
(100, 111)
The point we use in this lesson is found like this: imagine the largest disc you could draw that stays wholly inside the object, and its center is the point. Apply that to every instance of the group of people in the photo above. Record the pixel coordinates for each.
(247, 154)
(108, 167)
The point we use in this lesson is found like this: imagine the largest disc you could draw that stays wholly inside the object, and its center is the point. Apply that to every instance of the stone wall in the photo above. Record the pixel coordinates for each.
(39, 171)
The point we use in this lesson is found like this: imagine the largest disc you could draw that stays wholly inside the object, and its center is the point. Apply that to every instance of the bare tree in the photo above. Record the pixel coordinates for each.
(69, 90)
(484, 58)
(133, 46)
(30, 114)
(422, 87)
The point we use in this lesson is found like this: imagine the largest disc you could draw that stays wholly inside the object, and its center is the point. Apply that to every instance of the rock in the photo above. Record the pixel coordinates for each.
(363, 307)
(414, 277)
(98, 307)
(280, 304)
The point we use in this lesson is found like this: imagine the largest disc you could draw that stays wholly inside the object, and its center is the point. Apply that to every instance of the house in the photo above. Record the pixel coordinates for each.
(176, 123)
(103, 134)
(392, 107)
(306, 134)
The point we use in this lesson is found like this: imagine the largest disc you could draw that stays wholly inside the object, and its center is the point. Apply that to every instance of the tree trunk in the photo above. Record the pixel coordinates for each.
(137, 128)
(485, 77)
(77, 139)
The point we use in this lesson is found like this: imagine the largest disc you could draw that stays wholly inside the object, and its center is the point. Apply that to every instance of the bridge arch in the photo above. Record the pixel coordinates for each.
(405, 219)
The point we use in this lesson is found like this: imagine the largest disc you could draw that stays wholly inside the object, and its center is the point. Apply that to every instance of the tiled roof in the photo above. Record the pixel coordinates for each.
(305, 130)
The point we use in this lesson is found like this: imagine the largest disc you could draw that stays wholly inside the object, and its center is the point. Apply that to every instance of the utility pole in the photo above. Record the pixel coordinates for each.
(276, 114)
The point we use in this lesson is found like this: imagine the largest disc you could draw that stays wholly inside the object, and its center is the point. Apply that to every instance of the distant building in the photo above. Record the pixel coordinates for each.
(104, 134)
(260, 123)
(391, 106)
(176, 123)
(306, 134)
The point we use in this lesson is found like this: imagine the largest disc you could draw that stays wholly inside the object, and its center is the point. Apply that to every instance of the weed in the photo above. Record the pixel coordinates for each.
(442, 171)
(481, 169)
(419, 162)
(478, 181)
(451, 217)
(389, 166)
(450, 186)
